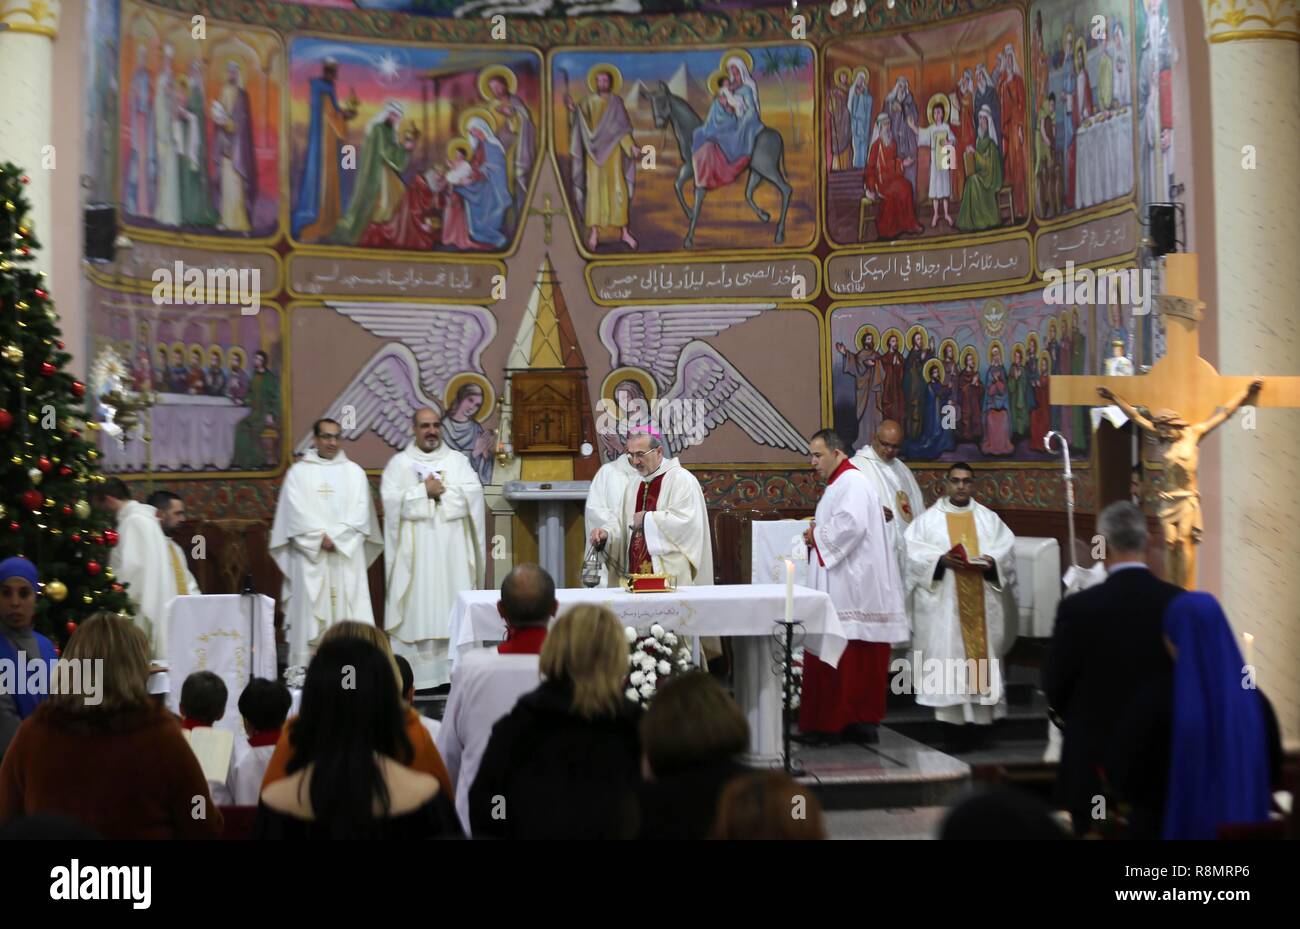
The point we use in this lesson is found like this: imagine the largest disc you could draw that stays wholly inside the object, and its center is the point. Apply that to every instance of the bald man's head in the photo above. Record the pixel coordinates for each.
(527, 596)
(888, 441)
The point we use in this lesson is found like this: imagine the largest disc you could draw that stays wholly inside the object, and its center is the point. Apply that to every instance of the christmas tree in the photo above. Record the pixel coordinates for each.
(47, 468)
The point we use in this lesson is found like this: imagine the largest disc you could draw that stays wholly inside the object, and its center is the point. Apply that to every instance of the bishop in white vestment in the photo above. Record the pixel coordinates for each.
(604, 509)
(850, 557)
(961, 570)
(324, 538)
(895, 487)
(141, 560)
(434, 546)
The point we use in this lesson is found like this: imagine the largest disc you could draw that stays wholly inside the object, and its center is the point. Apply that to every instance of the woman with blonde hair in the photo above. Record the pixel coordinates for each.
(565, 762)
(134, 775)
(424, 757)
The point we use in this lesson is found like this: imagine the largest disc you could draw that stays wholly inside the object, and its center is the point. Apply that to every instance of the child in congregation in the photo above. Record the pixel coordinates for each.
(264, 706)
(203, 704)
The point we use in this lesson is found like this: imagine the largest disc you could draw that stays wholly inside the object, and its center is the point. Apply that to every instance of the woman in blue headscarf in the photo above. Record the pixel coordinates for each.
(1198, 749)
(18, 590)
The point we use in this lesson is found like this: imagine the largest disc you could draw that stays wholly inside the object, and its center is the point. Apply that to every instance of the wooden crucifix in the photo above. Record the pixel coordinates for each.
(1187, 399)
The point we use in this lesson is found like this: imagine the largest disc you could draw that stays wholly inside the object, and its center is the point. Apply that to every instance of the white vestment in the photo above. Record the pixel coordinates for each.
(185, 584)
(323, 497)
(432, 551)
(676, 531)
(951, 685)
(486, 688)
(897, 489)
(604, 509)
(142, 561)
(860, 573)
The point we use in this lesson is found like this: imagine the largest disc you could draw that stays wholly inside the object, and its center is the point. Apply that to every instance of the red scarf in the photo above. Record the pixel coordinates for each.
(525, 641)
(263, 737)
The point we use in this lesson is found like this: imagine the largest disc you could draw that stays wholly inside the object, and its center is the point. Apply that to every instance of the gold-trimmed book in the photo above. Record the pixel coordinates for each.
(650, 583)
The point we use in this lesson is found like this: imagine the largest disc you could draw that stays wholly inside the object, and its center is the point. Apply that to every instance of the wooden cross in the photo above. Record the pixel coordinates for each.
(546, 215)
(1182, 380)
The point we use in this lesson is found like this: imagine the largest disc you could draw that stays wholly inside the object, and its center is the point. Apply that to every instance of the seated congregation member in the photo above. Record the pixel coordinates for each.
(342, 781)
(203, 704)
(18, 591)
(768, 805)
(1001, 813)
(264, 705)
(487, 682)
(118, 765)
(564, 763)
(423, 755)
(1196, 750)
(692, 737)
(1107, 645)
(406, 675)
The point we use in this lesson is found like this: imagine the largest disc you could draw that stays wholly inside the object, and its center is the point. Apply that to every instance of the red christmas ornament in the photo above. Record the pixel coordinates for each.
(25, 179)
(78, 389)
(67, 511)
(110, 537)
(97, 539)
(44, 464)
(76, 538)
(93, 568)
(6, 420)
(118, 588)
(48, 369)
(40, 293)
(64, 471)
(13, 527)
(59, 343)
(32, 499)
(71, 627)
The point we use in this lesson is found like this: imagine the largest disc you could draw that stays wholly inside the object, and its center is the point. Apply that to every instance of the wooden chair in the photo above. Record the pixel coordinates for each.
(866, 214)
(1007, 201)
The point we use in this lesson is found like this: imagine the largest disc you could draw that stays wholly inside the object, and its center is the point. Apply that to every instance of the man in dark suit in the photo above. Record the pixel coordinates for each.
(1107, 645)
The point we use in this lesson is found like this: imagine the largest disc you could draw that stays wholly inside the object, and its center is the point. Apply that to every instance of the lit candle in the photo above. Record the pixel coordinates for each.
(1250, 648)
(789, 590)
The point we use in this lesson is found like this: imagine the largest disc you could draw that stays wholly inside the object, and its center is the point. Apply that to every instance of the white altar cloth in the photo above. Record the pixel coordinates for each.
(746, 612)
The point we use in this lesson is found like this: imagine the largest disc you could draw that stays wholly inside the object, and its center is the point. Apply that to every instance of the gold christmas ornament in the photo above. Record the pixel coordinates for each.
(33, 418)
(12, 353)
(2, 511)
(49, 502)
(35, 474)
(87, 599)
(82, 509)
(57, 591)
(108, 573)
(16, 459)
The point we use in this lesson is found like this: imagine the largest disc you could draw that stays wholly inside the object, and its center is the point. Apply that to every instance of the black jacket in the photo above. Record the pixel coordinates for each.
(684, 805)
(1107, 646)
(549, 774)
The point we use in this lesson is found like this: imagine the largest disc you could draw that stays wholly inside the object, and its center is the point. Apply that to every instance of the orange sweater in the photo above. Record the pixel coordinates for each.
(426, 757)
(133, 778)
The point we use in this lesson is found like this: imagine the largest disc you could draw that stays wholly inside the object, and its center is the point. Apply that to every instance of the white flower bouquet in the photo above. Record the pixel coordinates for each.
(651, 660)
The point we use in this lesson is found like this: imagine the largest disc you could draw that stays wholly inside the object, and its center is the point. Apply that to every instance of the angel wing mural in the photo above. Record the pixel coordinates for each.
(435, 360)
(667, 343)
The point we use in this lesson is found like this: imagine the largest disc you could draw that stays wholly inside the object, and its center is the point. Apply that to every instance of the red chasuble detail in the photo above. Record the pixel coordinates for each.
(845, 465)
(638, 556)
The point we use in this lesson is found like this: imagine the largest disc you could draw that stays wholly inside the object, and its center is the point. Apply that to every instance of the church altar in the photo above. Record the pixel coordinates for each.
(551, 497)
(185, 429)
(231, 634)
(746, 612)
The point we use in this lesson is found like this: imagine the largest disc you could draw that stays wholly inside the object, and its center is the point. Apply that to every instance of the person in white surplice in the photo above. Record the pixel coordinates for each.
(434, 546)
(663, 525)
(895, 487)
(171, 516)
(849, 557)
(324, 537)
(140, 560)
(961, 570)
(604, 509)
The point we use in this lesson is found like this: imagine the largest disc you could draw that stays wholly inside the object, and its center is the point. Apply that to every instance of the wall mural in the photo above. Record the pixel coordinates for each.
(787, 233)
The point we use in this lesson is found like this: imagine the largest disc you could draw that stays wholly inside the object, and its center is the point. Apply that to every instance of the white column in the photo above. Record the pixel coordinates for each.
(26, 79)
(1254, 73)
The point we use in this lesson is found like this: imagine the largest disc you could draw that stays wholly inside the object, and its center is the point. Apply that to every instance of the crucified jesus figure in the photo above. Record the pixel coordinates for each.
(1180, 499)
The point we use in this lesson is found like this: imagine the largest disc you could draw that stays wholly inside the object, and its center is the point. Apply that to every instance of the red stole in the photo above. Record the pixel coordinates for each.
(525, 641)
(647, 498)
(845, 465)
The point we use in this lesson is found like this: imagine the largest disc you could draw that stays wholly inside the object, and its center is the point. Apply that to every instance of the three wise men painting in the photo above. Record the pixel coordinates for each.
(968, 380)
(199, 126)
(411, 148)
(688, 149)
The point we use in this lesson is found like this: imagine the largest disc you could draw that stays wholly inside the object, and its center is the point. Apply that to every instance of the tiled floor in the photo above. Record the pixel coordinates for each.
(902, 823)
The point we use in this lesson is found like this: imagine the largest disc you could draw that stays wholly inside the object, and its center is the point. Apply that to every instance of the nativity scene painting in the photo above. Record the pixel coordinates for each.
(199, 126)
(411, 148)
(968, 380)
(700, 149)
(925, 133)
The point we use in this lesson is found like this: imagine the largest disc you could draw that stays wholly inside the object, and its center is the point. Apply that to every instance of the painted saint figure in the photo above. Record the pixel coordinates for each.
(237, 162)
(317, 198)
(141, 168)
(196, 194)
(721, 148)
(861, 106)
(997, 407)
(517, 132)
(463, 432)
(166, 136)
(979, 198)
(886, 183)
(603, 166)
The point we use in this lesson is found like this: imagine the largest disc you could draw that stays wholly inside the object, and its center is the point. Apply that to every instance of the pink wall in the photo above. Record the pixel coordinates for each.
(64, 241)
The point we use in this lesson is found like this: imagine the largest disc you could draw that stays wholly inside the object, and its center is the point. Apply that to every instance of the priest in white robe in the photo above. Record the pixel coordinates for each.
(663, 524)
(171, 516)
(140, 560)
(604, 509)
(895, 488)
(324, 538)
(961, 570)
(434, 546)
(851, 558)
